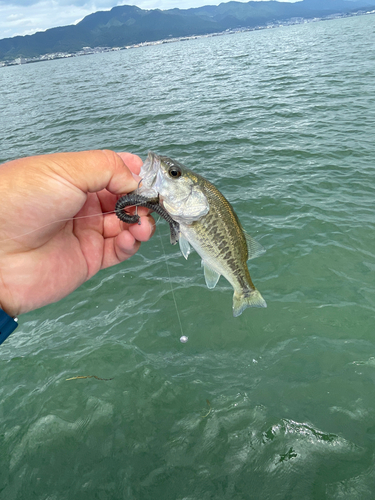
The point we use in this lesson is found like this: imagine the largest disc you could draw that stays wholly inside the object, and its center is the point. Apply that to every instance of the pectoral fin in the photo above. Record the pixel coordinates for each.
(254, 249)
(175, 232)
(184, 246)
(210, 275)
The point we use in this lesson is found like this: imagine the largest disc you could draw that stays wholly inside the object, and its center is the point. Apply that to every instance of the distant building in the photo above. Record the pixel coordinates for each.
(20, 60)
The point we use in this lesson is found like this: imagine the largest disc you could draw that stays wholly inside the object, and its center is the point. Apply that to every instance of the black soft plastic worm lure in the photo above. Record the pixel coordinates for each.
(136, 200)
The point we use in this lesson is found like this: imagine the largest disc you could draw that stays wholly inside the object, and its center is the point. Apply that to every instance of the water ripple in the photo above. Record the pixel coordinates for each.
(278, 402)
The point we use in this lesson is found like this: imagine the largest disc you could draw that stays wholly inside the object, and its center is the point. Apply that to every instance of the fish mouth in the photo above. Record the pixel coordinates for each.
(149, 173)
(148, 163)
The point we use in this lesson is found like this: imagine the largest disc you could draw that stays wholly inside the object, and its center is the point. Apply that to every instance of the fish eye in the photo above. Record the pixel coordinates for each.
(174, 172)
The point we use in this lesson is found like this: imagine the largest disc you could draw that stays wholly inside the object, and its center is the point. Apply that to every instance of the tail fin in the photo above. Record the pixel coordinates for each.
(241, 301)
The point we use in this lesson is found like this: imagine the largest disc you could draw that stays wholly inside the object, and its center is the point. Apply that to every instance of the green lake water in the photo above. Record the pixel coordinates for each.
(276, 404)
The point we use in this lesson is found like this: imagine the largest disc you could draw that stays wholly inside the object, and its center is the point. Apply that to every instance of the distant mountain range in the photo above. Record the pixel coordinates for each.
(128, 25)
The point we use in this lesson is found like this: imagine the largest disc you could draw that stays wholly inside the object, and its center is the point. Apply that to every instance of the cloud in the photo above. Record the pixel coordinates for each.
(25, 17)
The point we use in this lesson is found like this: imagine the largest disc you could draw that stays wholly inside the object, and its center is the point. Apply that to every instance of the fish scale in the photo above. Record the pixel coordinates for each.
(221, 239)
(208, 223)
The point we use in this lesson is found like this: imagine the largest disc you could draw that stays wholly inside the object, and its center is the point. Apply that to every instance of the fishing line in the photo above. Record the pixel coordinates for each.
(55, 222)
(67, 220)
(183, 337)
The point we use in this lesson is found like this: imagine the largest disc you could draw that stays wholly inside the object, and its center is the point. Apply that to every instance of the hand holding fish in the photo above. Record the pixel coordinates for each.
(50, 243)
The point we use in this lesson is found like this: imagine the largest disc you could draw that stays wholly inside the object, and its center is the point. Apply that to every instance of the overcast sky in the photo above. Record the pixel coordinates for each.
(24, 17)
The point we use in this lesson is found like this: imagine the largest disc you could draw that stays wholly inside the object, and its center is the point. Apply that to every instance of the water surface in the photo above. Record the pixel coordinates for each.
(276, 404)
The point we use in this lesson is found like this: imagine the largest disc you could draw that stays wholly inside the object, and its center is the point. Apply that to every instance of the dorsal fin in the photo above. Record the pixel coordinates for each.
(254, 249)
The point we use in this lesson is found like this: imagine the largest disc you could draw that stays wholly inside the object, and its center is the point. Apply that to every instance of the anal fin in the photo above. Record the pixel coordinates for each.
(211, 276)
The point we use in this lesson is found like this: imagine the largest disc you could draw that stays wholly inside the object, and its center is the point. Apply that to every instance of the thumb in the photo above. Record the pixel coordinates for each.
(92, 171)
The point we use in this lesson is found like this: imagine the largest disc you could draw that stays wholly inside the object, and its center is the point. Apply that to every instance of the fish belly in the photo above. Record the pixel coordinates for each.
(226, 263)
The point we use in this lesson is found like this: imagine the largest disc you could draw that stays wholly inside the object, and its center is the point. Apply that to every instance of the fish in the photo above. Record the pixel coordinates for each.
(207, 222)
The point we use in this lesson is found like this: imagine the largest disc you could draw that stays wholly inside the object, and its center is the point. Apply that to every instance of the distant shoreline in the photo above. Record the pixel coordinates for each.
(99, 50)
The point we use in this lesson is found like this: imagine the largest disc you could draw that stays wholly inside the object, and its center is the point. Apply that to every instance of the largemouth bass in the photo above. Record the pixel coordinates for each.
(207, 222)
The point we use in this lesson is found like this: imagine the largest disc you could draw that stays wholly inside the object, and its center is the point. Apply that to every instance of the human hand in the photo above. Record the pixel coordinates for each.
(46, 249)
